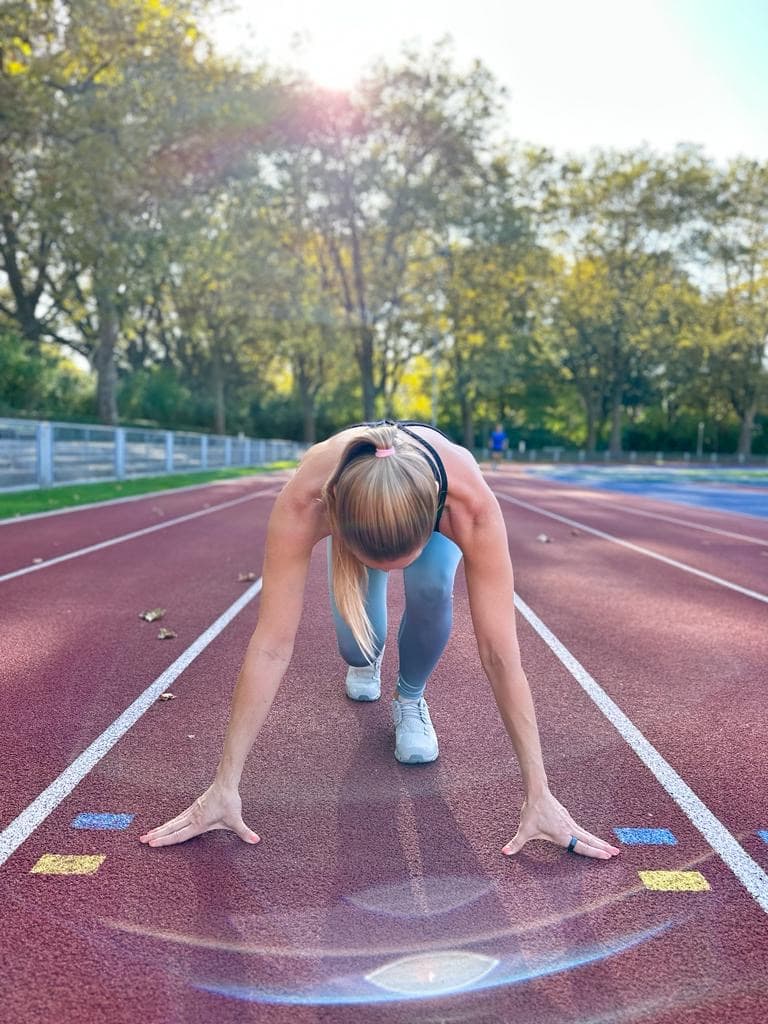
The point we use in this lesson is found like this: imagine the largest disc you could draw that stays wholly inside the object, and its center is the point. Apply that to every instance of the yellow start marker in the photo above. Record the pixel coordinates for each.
(58, 864)
(674, 881)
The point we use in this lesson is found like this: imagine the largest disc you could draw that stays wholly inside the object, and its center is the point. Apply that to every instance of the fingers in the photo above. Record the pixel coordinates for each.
(517, 842)
(245, 833)
(585, 849)
(587, 845)
(586, 839)
(183, 827)
(171, 838)
(180, 821)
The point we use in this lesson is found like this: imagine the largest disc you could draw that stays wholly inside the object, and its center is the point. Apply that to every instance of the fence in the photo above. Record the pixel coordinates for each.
(569, 456)
(35, 454)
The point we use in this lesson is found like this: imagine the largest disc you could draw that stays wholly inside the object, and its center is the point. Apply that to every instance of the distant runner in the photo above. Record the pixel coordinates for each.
(388, 496)
(497, 444)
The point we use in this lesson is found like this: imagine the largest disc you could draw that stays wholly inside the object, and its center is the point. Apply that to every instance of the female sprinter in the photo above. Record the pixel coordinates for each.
(387, 496)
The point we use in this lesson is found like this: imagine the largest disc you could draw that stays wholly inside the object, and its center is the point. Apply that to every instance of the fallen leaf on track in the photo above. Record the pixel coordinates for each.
(167, 696)
(36, 561)
(153, 615)
(575, 533)
(544, 538)
(166, 634)
(246, 577)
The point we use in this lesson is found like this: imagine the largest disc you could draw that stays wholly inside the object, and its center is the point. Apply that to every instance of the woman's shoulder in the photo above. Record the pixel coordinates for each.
(315, 467)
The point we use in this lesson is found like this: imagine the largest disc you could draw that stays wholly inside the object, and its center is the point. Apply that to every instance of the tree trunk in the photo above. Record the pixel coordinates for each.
(310, 420)
(219, 405)
(616, 416)
(26, 302)
(307, 399)
(745, 433)
(590, 410)
(467, 423)
(104, 357)
(365, 359)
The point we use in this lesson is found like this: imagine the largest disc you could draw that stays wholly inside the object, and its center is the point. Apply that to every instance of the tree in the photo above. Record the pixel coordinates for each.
(734, 240)
(617, 217)
(130, 94)
(377, 170)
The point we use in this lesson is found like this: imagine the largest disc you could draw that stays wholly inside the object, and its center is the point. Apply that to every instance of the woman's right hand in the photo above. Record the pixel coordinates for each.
(218, 807)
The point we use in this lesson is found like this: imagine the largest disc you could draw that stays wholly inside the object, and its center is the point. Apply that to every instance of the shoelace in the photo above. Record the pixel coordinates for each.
(365, 672)
(414, 716)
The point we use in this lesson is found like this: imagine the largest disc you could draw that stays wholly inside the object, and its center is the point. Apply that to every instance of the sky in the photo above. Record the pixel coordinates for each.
(580, 74)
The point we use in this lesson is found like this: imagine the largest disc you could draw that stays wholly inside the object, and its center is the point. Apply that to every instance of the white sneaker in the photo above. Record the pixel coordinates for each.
(365, 683)
(415, 737)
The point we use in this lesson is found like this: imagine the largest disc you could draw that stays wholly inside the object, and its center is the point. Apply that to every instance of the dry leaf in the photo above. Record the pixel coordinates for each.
(167, 696)
(166, 634)
(544, 538)
(246, 577)
(153, 615)
(36, 561)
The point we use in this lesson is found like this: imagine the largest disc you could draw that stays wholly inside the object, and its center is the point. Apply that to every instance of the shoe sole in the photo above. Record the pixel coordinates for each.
(416, 759)
(362, 697)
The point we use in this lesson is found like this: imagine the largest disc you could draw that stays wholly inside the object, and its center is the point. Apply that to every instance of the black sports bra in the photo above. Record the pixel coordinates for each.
(434, 460)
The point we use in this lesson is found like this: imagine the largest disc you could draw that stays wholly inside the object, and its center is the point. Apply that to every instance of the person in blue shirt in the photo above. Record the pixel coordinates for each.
(497, 444)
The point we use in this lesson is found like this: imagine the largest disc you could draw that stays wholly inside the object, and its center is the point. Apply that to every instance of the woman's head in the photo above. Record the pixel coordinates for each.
(382, 497)
(382, 503)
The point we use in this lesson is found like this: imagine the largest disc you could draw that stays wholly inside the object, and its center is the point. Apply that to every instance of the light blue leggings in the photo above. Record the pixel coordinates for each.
(426, 622)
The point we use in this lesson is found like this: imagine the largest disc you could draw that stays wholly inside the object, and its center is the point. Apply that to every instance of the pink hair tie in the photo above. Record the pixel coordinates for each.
(382, 453)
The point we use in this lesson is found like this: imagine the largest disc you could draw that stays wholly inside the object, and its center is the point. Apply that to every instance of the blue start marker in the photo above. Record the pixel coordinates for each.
(102, 821)
(645, 836)
(763, 833)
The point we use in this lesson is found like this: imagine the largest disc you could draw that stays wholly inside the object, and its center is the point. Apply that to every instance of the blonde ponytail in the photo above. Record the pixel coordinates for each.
(379, 508)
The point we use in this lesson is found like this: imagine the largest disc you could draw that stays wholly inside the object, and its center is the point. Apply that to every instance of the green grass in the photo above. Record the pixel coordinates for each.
(49, 499)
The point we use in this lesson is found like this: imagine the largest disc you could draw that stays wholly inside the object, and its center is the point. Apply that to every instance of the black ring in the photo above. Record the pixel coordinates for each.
(572, 844)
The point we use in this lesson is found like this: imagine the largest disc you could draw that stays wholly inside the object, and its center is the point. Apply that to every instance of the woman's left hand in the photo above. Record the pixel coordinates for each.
(544, 817)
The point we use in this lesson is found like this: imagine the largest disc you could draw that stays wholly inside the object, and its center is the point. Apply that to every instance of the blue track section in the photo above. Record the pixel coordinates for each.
(739, 492)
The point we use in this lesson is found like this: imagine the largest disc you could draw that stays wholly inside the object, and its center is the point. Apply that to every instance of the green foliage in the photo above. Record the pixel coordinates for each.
(235, 249)
(39, 381)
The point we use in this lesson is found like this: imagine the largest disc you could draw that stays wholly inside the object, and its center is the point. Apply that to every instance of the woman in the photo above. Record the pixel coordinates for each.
(387, 496)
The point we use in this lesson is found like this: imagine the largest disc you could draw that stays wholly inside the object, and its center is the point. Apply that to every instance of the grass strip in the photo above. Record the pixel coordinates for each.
(49, 499)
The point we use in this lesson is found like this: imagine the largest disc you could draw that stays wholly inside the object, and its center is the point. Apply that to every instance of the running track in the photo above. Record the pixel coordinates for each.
(378, 892)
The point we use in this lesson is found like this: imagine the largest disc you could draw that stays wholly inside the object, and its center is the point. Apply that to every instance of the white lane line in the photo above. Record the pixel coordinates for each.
(133, 497)
(614, 507)
(728, 849)
(22, 827)
(636, 547)
(132, 536)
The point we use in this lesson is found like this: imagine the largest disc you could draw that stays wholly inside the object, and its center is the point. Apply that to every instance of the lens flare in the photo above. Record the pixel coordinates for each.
(409, 978)
(432, 974)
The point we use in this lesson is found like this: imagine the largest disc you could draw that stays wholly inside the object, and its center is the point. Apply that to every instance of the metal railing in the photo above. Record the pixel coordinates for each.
(570, 456)
(43, 454)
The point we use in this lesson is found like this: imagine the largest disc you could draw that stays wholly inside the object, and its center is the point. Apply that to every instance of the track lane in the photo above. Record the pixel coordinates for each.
(646, 630)
(742, 563)
(22, 541)
(756, 526)
(74, 652)
(363, 861)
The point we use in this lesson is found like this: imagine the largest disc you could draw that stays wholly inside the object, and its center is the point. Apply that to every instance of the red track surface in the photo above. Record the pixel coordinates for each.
(364, 861)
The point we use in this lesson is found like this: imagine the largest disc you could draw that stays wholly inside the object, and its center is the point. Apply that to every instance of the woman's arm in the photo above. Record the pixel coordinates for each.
(482, 536)
(291, 535)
